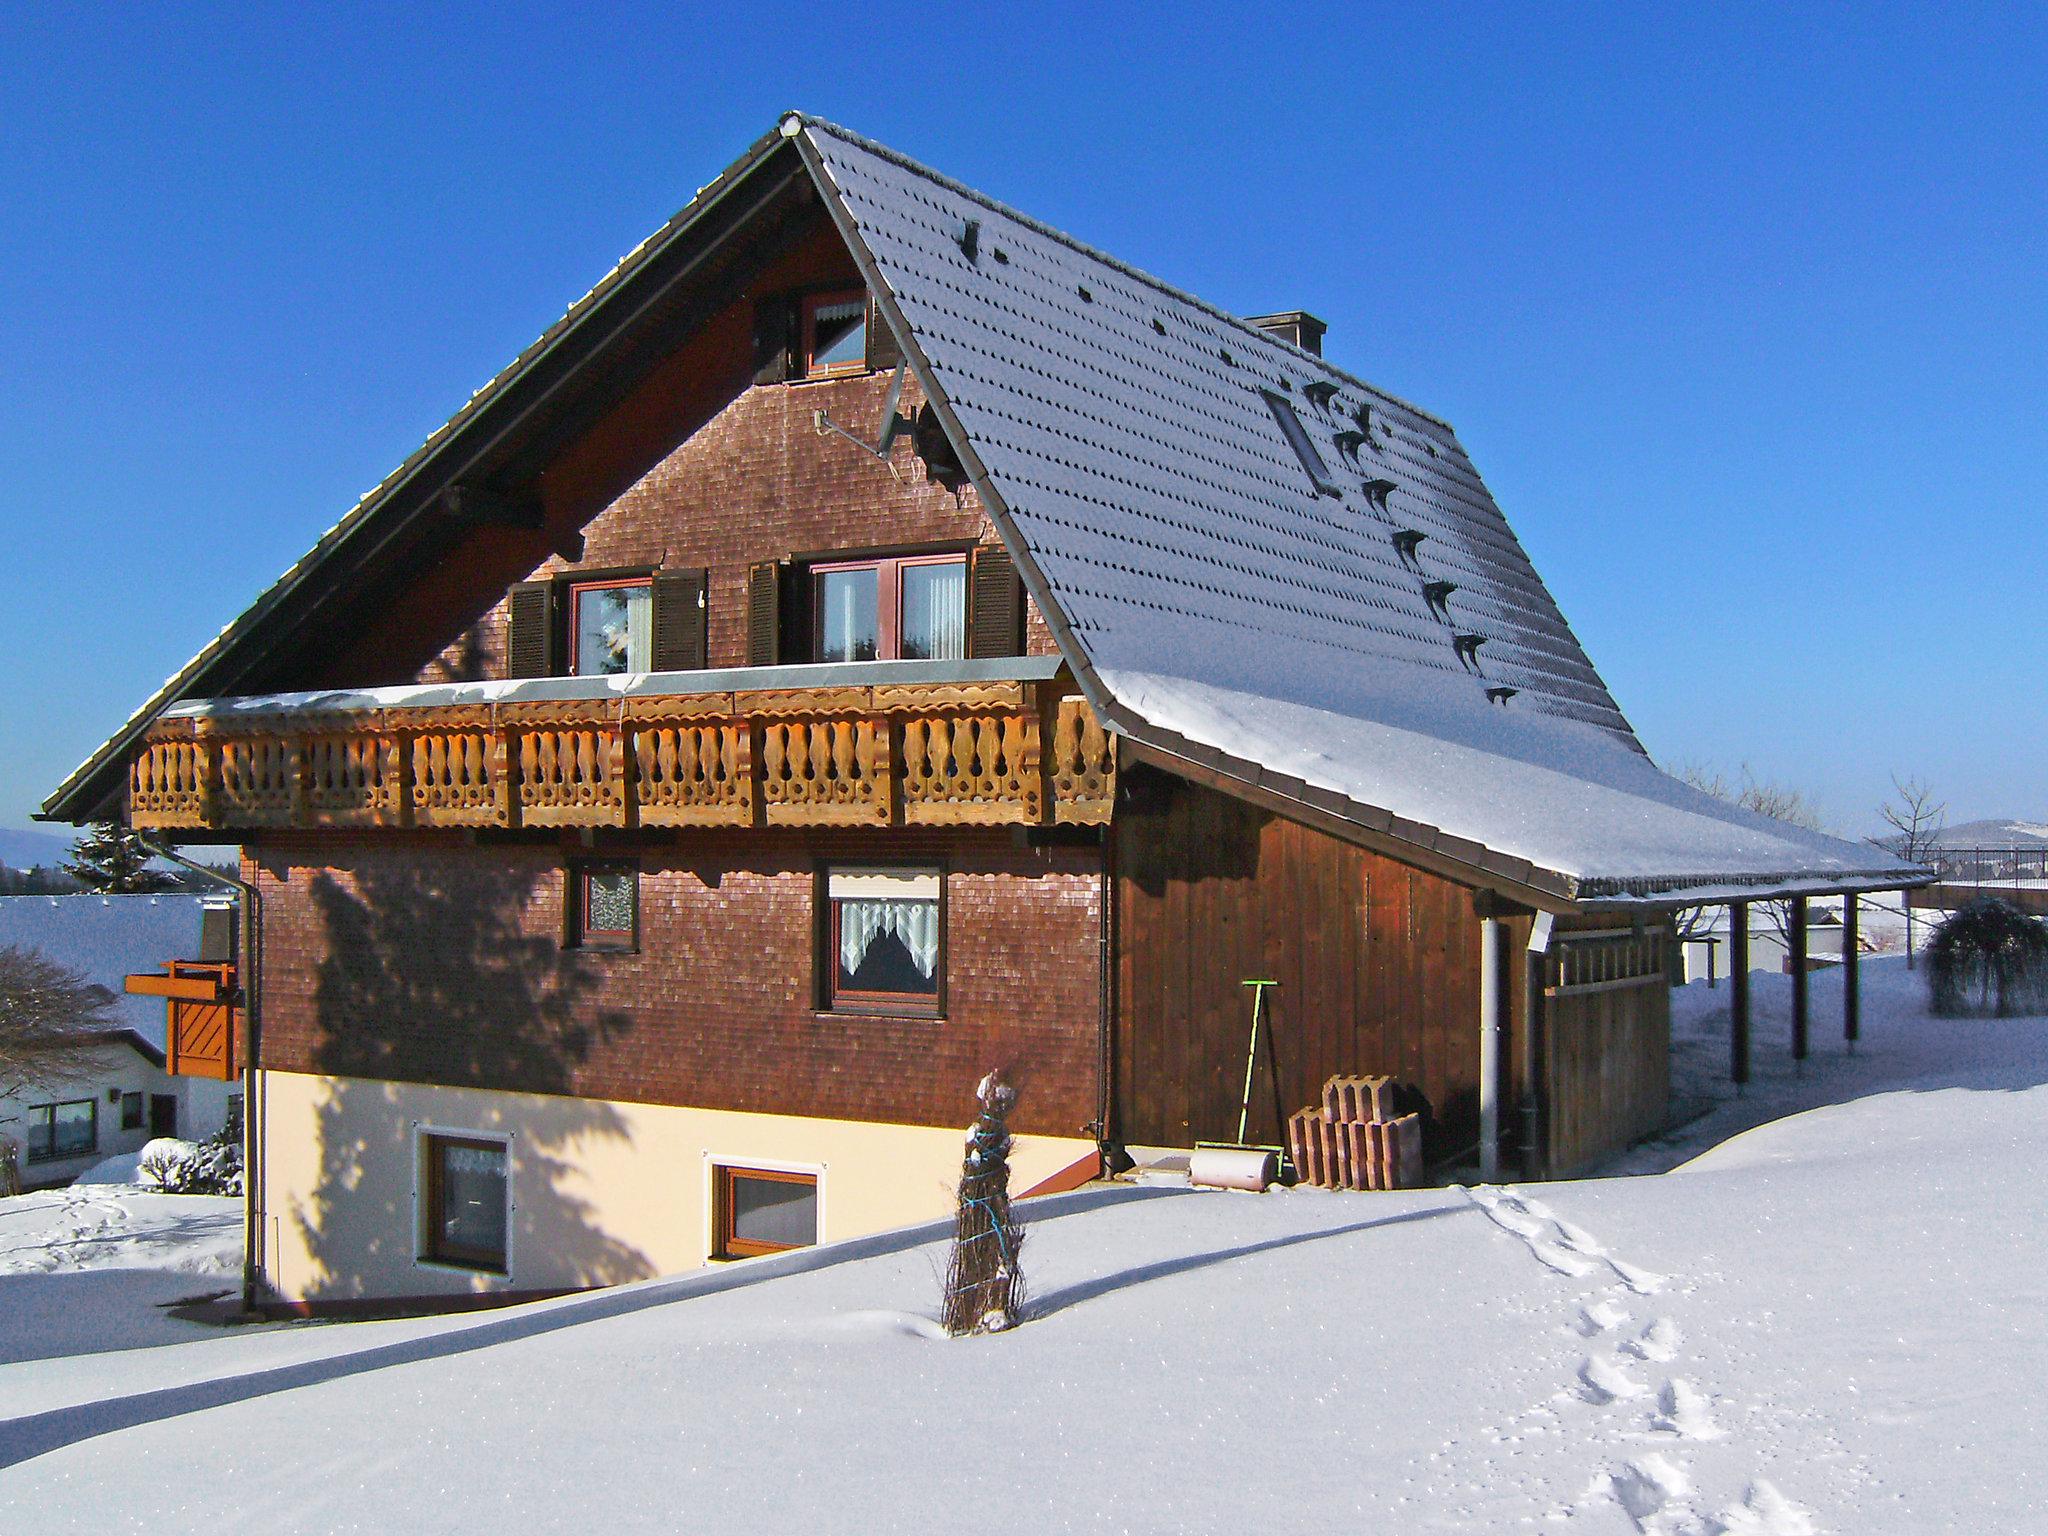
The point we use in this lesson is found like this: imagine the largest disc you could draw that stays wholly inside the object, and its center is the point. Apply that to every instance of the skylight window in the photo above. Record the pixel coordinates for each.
(1297, 439)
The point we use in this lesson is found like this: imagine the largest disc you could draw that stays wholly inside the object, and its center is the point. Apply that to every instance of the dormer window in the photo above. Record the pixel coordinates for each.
(835, 334)
(912, 608)
(611, 627)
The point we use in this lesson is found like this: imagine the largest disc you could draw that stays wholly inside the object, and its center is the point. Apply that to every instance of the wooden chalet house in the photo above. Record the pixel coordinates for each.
(870, 639)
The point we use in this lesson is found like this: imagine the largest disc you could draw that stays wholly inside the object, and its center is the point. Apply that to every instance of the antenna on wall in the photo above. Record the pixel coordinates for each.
(894, 424)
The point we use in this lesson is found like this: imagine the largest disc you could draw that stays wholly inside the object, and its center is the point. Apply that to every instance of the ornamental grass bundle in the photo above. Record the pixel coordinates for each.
(984, 1287)
(1993, 950)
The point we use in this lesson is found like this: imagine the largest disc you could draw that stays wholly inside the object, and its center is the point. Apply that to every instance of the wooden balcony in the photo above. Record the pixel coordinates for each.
(1018, 752)
(203, 1028)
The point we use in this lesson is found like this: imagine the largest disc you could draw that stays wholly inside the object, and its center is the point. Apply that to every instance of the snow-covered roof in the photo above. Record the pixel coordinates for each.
(109, 938)
(1343, 608)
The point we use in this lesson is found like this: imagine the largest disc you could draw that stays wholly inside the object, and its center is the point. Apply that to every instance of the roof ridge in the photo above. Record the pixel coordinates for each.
(1093, 253)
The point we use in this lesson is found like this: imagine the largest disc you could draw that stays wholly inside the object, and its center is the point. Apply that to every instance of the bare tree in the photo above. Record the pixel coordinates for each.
(45, 1009)
(1917, 819)
(1781, 802)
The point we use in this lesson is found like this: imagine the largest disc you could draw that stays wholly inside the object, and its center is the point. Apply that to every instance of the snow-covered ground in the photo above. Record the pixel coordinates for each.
(92, 1267)
(1829, 1323)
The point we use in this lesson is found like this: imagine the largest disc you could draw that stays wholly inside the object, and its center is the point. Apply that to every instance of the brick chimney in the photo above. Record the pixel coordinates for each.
(1295, 325)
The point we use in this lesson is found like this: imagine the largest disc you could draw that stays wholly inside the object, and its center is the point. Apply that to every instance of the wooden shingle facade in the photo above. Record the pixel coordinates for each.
(870, 640)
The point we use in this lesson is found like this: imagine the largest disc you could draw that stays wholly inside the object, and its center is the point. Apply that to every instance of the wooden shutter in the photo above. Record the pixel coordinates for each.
(678, 621)
(530, 632)
(995, 619)
(764, 614)
(775, 339)
(883, 353)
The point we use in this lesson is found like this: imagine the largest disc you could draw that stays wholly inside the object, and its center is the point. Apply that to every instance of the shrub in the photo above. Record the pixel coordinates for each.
(1988, 957)
(193, 1168)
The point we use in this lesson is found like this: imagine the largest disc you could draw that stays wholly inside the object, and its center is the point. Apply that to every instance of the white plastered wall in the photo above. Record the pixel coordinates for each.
(602, 1192)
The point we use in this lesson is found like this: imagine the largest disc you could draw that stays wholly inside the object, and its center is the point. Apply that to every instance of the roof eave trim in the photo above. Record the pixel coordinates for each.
(1371, 827)
(442, 440)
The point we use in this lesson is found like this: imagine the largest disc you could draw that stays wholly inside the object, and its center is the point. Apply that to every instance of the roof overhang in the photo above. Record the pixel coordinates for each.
(518, 398)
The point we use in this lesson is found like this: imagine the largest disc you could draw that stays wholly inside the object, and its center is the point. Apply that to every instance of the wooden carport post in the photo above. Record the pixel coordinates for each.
(1796, 940)
(1852, 999)
(1738, 991)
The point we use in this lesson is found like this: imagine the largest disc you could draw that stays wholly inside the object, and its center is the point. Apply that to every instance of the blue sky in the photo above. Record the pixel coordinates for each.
(1743, 312)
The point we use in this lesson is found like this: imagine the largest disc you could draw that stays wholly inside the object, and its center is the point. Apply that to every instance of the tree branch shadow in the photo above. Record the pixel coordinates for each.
(1124, 1279)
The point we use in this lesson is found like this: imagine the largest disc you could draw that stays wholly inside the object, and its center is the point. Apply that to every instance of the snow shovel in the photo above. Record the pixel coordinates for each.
(1240, 1164)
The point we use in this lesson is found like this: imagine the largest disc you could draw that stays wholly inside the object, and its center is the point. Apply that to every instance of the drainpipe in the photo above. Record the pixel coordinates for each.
(249, 904)
(1107, 1145)
(1536, 968)
(1489, 1048)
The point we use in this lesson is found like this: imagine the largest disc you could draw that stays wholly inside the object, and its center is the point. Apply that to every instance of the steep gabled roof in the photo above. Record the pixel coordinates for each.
(1355, 628)
(1258, 565)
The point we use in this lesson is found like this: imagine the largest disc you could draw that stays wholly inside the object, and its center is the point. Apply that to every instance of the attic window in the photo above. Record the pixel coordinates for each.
(835, 334)
(1297, 439)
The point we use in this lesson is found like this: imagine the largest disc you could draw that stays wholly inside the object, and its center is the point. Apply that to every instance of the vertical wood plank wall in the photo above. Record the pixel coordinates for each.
(1609, 1059)
(1377, 965)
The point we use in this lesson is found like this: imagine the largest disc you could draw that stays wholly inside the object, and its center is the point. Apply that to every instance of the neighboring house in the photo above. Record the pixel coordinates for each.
(1769, 948)
(117, 1096)
(111, 1097)
(870, 639)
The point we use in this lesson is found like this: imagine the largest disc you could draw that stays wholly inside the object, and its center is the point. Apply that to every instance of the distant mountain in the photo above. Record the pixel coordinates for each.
(25, 850)
(1994, 833)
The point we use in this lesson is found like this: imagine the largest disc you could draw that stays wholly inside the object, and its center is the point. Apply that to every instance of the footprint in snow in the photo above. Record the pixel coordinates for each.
(1553, 1257)
(1579, 1240)
(1603, 1379)
(1659, 1341)
(1764, 1512)
(1683, 1411)
(1601, 1316)
(1647, 1488)
(1642, 1281)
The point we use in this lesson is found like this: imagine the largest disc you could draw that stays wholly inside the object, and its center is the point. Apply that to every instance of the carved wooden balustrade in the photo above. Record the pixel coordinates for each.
(1014, 753)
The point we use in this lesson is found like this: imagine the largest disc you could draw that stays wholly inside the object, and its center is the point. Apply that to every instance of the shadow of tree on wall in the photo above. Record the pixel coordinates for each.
(431, 976)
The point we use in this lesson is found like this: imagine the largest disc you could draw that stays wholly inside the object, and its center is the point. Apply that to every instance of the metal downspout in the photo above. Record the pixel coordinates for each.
(1489, 1048)
(250, 902)
(1106, 1141)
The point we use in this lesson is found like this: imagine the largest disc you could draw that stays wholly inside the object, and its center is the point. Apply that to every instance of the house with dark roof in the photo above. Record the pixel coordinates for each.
(112, 1094)
(870, 639)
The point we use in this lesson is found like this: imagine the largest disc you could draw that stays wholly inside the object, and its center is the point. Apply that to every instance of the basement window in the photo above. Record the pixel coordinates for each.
(762, 1210)
(835, 334)
(467, 1205)
(884, 940)
(611, 627)
(1297, 439)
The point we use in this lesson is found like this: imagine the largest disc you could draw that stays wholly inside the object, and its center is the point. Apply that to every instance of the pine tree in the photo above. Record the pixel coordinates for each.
(983, 1283)
(111, 859)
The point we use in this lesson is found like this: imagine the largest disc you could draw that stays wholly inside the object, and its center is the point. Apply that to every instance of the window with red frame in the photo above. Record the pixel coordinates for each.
(835, 333)
(909, 608)
(605, 903)
(611, 627)
(884, 939)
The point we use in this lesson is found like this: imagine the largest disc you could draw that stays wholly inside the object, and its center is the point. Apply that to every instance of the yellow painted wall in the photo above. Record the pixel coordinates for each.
(602, 1192)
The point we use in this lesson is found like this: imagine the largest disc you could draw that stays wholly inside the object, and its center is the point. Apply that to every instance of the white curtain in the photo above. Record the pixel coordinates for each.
(935, 610)
(915, 924)
(639, 628)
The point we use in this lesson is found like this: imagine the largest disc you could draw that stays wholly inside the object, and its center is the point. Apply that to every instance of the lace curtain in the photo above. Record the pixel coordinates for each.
(914, 923)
